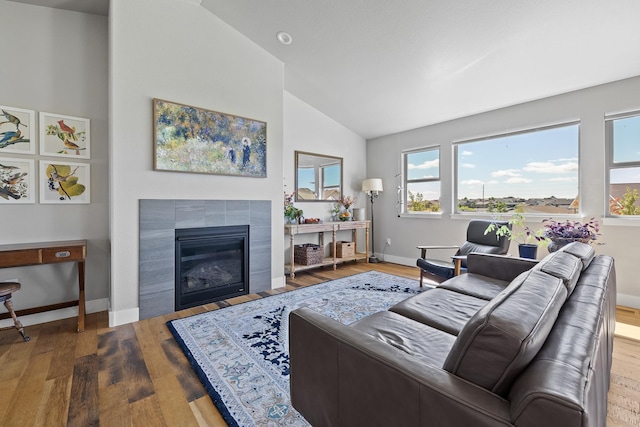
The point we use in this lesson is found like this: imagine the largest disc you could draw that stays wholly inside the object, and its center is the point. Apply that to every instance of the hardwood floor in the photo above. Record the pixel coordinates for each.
(136, 374)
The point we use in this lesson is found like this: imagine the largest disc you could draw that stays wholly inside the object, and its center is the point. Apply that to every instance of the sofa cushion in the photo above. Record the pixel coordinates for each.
(440, 309)
(475, 285)
(500, 340)
(584, 251)
(427, 344)
(564, 266)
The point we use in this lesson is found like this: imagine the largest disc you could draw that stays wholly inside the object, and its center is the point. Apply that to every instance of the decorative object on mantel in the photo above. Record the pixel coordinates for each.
(292, 213)
(16, 130)
(65, 136)
(191, 139)
(561, 233)
(371, 187)
(241, 353)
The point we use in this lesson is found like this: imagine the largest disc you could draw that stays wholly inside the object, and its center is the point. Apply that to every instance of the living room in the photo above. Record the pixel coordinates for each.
(120, 63)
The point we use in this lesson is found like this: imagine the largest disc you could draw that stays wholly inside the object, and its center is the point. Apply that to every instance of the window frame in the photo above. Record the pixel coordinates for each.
(610, 163)
(403, 201)
(520, 131)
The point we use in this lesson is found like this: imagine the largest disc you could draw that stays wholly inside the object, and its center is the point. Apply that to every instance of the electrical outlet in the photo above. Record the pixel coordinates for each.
(389, 241)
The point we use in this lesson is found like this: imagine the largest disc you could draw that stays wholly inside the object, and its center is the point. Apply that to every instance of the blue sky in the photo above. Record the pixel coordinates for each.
(626, 149)
(306, 177)
(533, 164)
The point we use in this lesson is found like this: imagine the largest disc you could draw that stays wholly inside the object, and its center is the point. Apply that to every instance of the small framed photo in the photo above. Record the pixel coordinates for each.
(17, 181)
(17, 130)
(64, 182)
(65, 136)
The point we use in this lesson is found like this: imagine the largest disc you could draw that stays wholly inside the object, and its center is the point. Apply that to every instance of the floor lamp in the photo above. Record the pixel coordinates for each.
(372, 187)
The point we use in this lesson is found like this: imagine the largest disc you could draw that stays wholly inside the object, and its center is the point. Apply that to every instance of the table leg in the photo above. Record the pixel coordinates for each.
(81, 307)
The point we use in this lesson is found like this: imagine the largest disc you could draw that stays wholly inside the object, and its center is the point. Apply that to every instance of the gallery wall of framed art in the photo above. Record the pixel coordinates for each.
(65, 180)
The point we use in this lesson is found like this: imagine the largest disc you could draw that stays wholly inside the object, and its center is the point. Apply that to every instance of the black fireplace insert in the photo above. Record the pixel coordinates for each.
(212, 264)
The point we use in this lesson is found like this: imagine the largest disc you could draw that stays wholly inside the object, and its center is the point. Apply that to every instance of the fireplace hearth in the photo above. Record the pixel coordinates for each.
(212, 264)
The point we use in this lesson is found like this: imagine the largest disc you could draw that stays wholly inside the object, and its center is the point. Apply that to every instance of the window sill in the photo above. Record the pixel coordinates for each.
(435, 215)
(628, 222)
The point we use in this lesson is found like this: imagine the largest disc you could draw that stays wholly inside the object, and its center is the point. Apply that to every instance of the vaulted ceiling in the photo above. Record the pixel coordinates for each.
(383, 66)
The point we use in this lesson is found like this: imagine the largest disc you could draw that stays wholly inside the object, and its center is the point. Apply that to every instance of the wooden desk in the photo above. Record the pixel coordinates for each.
(23, 254)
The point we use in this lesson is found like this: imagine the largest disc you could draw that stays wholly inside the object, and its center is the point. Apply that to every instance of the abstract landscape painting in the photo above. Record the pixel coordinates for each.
(16, 130)
(190, 139)
(17, 181)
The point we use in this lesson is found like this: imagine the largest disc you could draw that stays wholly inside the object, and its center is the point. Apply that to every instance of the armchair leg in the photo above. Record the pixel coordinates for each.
(421, 276)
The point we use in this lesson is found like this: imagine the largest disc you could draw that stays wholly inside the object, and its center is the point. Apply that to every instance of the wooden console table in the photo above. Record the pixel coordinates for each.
(24, 254)
(294, 229)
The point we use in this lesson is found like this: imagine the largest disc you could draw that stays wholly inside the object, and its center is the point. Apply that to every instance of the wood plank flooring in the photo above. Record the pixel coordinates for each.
(136, 375)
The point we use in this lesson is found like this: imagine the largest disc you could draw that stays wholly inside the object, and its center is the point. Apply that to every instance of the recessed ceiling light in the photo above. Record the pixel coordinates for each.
(284, 37)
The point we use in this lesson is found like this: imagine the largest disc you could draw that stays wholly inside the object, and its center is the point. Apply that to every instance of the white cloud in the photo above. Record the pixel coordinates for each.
(467, 153)
(426, 165)
(518, 180)
(493, 182)
(564, 179)
(506, 172)
(569, 165)
(468, 165)
(472, 182)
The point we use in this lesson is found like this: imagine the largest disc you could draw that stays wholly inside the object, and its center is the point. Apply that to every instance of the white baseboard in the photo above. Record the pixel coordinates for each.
(278, 282)
(410, 262)
(122, 317)
(628, 301)
(92, 306)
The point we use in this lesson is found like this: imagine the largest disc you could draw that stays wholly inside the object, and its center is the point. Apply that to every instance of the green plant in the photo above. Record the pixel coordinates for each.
(516, 230)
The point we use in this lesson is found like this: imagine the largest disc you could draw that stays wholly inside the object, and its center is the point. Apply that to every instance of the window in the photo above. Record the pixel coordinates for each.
(534, 170)
(623, 148)
(422, 180)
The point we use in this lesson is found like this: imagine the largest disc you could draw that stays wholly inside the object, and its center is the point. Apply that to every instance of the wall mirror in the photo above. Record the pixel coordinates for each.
(318, 177)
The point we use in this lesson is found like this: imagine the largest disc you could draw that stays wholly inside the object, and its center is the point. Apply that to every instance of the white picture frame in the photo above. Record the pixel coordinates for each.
(17, 130)
(17, 181)
(63, 182)
(65, 136)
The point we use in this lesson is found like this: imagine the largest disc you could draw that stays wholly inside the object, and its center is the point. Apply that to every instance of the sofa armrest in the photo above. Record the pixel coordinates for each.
(499, 267)
(339, 375)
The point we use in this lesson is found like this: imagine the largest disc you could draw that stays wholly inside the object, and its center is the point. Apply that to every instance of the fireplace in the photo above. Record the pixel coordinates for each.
(212, 264)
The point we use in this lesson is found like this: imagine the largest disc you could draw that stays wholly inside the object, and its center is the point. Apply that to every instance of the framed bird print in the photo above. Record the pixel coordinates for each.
(17, 180)
(16, 130)
(64, 136)
(64, 182)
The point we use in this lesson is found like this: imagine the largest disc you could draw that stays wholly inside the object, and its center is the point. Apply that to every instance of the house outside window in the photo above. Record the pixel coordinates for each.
(422, 181)
(535, 171)
(623, 163)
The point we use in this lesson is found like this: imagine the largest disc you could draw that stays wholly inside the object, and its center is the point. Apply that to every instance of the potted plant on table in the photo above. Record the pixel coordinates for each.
(346, 202)
(293, 214)
(560, 233)
(516, 230)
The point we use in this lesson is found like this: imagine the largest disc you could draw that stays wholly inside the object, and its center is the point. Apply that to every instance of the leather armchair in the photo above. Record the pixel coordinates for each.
(477, 241)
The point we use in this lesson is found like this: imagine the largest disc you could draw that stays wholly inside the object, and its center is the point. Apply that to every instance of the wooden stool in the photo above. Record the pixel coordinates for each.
(6, 289)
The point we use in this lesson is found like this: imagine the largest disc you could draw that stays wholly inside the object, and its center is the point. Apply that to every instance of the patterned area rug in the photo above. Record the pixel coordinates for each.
(241, 353)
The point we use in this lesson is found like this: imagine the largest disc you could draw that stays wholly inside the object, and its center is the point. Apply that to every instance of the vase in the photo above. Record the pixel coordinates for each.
(558, 242)
(527, 250)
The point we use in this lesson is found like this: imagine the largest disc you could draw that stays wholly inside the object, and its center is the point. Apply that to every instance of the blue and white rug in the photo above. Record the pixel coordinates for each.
(241, 353)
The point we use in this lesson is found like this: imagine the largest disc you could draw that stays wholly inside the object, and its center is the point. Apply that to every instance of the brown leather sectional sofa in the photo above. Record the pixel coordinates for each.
(511, 343)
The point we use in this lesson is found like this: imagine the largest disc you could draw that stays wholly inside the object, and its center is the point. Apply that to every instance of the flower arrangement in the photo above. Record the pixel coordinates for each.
(291, 211)
(574, 230)
(347, 201)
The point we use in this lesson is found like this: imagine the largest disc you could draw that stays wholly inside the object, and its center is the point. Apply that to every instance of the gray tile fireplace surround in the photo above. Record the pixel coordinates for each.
(158, 222)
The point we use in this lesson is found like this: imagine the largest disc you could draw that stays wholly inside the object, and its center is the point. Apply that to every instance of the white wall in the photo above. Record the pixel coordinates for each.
(56, 61)
(589, 106)
(178, 51)
(307, 129)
